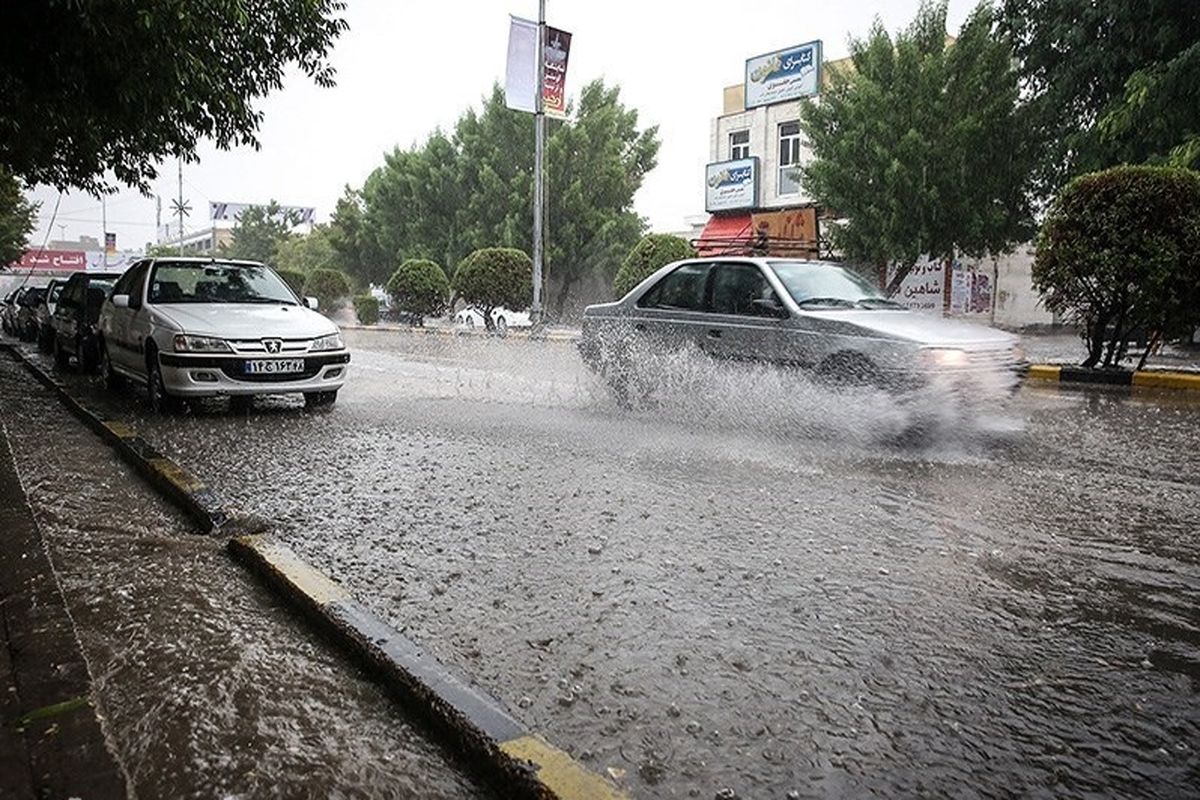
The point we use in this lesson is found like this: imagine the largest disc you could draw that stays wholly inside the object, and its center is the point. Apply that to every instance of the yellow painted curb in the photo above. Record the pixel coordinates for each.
(177, 475)
(1167, 380)
(1044, 372)
(119, 429)
(283, 561)
(565, 777)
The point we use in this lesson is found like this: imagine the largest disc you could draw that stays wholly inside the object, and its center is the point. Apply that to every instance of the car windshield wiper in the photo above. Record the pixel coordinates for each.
(265, 301)
(878, 303)
(837, 302)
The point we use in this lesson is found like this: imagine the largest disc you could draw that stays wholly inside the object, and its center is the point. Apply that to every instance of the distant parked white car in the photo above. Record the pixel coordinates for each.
(471, 317)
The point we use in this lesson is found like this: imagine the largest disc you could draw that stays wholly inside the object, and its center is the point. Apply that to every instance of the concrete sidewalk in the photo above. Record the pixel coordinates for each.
(51, 742)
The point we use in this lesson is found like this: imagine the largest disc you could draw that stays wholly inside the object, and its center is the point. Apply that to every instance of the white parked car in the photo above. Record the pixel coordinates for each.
(199, 327)
(503, 319)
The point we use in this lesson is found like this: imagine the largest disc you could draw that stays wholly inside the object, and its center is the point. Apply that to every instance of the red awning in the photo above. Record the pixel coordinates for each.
(725, 236)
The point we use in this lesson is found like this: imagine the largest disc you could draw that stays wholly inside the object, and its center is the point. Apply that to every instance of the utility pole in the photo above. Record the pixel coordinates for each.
(104, 232)
(181, 206)
(539, 141)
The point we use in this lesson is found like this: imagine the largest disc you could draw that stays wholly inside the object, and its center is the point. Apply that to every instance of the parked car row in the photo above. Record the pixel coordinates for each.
(186, 328)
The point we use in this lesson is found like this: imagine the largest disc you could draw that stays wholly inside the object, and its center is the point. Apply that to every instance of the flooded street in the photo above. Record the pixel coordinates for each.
(739, 588)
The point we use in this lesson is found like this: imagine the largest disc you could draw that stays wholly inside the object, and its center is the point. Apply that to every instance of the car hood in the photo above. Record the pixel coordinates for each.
(920, 328)
(234, 321)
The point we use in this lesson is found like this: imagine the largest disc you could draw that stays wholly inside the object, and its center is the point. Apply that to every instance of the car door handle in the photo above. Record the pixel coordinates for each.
(714, 334)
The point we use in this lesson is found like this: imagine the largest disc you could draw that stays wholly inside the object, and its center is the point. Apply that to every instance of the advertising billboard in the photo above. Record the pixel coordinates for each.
(784, 75)
(731, 185)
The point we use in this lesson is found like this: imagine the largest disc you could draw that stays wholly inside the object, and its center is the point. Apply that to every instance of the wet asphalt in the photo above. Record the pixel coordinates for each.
(746, 588)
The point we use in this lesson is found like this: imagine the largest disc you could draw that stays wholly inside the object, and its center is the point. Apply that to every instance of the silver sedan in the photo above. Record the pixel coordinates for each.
(813, 315)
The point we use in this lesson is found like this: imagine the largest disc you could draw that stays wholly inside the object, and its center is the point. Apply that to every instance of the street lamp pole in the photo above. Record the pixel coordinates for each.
(539, 143)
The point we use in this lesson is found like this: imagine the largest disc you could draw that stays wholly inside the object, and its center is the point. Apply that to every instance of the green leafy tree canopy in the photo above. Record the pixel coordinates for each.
(1119, 251)
(259, 234)
(494, 277)
(648, 256)
(331, 287)
(920, 146)
(306, 253)
(419, 286)
(16, 218)
(90, 87)
(366, 308)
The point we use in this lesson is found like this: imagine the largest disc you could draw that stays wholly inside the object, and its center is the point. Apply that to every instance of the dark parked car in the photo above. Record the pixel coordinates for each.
(45, 311)
(75, 317)
(26, 322)
(8, 312)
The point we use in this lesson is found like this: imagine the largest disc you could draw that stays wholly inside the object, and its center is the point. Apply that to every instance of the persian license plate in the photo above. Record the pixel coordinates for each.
(275, 366)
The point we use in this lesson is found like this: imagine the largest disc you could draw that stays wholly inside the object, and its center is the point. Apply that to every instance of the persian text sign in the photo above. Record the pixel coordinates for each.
(227, 212)
(62, 260)
(783, 75)
(731, 185)
(923, 289)
(554, 79)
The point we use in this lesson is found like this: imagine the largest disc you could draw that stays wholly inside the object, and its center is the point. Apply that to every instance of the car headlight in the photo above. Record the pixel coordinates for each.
(331, 342)
(945, 357)
(200, 344)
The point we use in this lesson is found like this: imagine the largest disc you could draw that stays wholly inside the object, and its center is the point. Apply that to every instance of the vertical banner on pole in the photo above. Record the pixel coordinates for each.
(554, 86)
(110, 243)
(520, 76)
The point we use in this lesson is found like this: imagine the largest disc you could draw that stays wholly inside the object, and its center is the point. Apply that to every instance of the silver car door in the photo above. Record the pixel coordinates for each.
(747, 318)
(671, 316)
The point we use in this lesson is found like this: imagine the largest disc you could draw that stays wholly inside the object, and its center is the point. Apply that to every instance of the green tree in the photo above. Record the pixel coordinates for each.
(366, 308)
(494, 277)
(473, 188)
(420, 287)
(920, 145)
(305, 253)
(1106, 82)
(357, 253)
(1119, 251)
(647, 257)
(331, 287)
(16, 218)
(90, 87)
(259, 233)
(294, 279)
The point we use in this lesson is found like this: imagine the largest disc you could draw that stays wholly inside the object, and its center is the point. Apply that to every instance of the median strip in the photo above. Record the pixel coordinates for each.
(1156, 379)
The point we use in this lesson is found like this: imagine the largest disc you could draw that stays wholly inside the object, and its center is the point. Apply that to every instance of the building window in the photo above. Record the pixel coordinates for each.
(789, 158)
(739, 145)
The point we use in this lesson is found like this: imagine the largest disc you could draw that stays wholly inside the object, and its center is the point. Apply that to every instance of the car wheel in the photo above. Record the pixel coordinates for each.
(45, 341)
(469, 321)
(241, 403)
(113, 380)
(848, 368)
(160, 400)
(501, 326)
(61, 357)
(320, 399)
(86, 354)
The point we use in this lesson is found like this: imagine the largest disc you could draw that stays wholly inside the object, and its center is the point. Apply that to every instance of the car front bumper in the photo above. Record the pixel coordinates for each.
(208, 375)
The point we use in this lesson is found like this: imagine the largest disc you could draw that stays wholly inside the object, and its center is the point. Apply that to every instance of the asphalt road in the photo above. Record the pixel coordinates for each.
(744, 589)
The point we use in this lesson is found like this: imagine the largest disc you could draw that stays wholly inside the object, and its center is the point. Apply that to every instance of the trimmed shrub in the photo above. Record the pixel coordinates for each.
(653, 252)
(293, 278)
(331, 287)
(1119, 252)
(495, 277)
(366, 308)
(419, 287)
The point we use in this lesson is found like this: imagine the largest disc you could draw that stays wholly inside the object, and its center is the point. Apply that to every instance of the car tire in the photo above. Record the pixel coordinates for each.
(45, 339)
(157, 397)
(501, 326)
(469, 321)
(113, 380)
(320, 399)
(241, 403)
(86, 355)
(61, 357)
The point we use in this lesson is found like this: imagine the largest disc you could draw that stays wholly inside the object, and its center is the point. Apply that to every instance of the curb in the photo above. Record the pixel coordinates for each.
(1154, 379)
(554, 337)
(181, 487)
(520, 760)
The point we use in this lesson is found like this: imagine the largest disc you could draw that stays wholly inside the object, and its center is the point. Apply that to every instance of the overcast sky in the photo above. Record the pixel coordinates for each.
(404, 69)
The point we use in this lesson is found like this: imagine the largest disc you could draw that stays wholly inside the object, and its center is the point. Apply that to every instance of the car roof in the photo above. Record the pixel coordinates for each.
(205, 260)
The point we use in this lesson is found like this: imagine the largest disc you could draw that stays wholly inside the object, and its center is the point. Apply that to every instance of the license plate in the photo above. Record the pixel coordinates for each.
(275, 366)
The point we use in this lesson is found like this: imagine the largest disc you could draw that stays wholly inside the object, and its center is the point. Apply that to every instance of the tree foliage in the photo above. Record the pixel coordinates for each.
(920, 145)
(494, 277)
(16, 219)
(306, 253)
(1120, 251)
(650, 254)
(419, 286)
(259, 233)
(89, 87)
(366, 308)
(294, 279)
(473, 188)
(1107, 82)
(331, 287)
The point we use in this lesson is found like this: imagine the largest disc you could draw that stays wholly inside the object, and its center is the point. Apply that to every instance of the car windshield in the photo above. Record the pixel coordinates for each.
(818, 285)
(217, 282)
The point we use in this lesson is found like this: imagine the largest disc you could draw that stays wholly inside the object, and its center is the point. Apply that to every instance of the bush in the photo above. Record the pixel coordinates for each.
(495, 277)
(419, 287)
(330, 286)
(1120, 251)
(293, 278)
(366, 308)
(648, 256)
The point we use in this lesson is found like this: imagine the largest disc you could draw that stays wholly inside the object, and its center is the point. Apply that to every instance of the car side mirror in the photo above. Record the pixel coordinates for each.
(311, 302)
(120, 300)
(769, 307)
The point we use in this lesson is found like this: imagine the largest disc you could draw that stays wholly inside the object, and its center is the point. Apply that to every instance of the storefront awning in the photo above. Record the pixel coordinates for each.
(725, 235)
